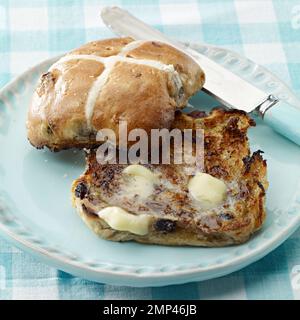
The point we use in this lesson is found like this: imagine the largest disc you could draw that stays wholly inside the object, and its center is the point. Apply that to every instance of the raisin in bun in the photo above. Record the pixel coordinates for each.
(103, 82)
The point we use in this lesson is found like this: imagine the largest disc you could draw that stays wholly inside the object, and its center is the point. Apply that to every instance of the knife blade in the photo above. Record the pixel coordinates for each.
(221, 83)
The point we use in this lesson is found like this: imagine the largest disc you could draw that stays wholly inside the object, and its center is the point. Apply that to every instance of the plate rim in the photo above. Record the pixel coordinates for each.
(156, 272)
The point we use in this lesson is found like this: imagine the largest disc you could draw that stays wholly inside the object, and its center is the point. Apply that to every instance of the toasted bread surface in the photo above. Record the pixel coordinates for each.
(176, 218)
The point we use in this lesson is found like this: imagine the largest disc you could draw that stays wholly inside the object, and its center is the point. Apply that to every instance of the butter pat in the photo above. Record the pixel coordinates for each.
(141, 182)
(141, 171)
(207, 189)
(119, 219)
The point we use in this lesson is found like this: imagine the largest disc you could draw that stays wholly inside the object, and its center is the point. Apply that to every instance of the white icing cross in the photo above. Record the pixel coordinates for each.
(109, 63)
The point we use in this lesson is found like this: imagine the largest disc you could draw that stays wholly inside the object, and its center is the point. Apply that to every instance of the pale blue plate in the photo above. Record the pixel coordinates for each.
(36, 212)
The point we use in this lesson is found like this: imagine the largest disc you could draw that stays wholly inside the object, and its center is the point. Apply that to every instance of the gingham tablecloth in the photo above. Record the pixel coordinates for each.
(266, 31)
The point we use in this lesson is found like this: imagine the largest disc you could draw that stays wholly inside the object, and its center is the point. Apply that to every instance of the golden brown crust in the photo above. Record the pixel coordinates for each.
(227, 157)
(144, 96)
(143, 100)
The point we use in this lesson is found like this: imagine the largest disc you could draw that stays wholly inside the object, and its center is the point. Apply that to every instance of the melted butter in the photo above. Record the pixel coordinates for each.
(141, 181)
(141, 171)
(139, 186)
(207, 189)
(119, 219)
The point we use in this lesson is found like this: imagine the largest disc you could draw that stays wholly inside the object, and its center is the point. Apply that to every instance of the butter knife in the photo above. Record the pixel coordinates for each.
(222, 84)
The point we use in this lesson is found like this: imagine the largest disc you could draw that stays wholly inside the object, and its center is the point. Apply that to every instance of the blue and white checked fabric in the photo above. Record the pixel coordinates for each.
(264, 30)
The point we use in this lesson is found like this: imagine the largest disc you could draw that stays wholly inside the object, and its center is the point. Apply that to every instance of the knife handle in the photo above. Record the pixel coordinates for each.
(285, 119)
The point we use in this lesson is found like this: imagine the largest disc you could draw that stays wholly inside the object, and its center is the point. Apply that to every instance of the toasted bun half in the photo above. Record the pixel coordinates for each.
(173, 216)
